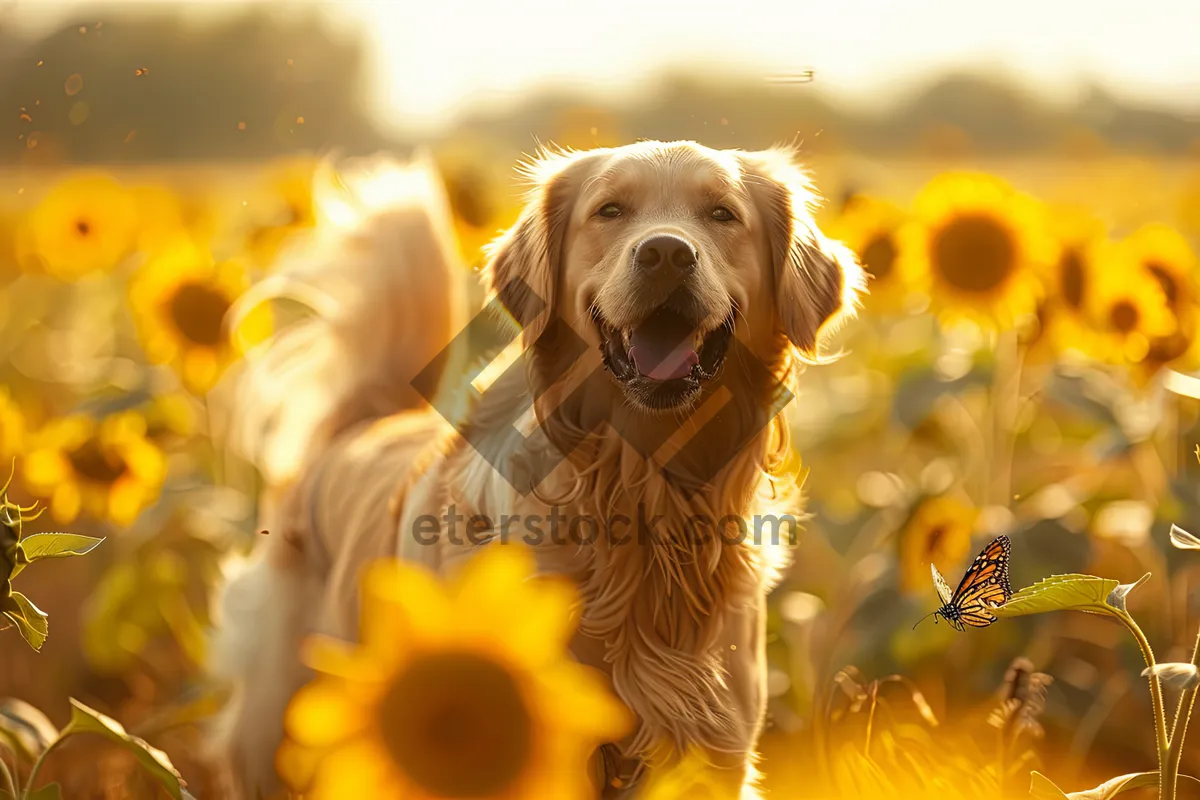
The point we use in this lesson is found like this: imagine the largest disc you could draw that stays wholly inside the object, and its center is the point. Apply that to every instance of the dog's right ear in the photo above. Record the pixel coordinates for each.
(523, 263)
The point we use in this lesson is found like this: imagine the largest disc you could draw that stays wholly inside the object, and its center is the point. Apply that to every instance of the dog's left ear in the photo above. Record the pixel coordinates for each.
(818, 281)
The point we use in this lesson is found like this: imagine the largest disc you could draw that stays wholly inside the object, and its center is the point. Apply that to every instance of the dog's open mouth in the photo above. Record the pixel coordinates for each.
(664, 360)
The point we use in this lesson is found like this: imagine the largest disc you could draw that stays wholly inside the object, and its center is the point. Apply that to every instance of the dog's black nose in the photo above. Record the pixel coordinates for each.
(665, 253)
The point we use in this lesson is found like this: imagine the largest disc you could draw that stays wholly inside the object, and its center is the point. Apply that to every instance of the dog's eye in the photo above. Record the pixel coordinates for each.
(723, 214)
(609, 210)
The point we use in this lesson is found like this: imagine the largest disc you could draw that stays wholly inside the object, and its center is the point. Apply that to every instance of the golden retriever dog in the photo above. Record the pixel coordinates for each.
(668, 296)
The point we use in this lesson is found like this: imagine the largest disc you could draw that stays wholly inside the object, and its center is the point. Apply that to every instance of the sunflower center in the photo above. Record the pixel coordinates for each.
(1074, 279)
(1166, 280)
(457, 725)
(974, 254)
(92, 463)
(879, 256)
(198, 312)
(1123, 316)
(1165, 349)
(934, 540)
(83, 227)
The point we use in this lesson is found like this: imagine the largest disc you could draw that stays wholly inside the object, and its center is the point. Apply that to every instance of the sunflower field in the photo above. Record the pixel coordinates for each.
(1027, 364)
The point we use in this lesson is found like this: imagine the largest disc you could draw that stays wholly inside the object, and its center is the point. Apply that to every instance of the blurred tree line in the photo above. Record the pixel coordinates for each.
(141, 85)
(153, 84)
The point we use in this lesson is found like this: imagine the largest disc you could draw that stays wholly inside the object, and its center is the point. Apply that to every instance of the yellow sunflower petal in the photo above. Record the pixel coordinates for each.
(403, 602)
(66, 503)
(125, 501)
(359, 770)
(201, 368)
(582, 700)
(46, 468)
(321, 715)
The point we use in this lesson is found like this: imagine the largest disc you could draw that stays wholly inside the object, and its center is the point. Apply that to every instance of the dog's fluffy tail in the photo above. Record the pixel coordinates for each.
(383, 282)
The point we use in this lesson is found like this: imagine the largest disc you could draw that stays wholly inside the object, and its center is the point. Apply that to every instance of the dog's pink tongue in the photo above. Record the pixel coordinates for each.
(654, 360)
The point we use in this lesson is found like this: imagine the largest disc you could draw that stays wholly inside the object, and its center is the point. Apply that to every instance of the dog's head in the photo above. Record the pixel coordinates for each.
(659, 254)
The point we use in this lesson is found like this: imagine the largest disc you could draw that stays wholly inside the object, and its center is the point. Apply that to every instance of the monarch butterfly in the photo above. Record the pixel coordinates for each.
(985, 585)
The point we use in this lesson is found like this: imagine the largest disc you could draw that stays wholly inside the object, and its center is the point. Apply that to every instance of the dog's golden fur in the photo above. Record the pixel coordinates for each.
(676, 621)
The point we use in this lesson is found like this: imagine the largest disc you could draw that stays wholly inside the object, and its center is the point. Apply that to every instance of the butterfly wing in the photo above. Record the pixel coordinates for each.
(984, 585)
(939, 583)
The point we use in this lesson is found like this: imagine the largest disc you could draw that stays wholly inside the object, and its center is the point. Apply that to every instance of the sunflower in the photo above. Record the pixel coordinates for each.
(480, 198)
(1068, 283)
(460, 690)
(870, 227)
(12, 428)
(976, 246)
(290, 208)
(166, 216)
(105, 468)
(1129, 309)
(939, 531)
(180, 299)
(1165, 254)
(86, 224)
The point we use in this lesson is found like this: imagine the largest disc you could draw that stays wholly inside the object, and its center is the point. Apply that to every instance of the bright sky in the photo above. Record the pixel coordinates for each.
(436, 57)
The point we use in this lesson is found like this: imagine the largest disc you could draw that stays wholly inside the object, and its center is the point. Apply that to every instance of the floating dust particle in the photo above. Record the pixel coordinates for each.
(141, 72)
(299, 120)
(241, 126)
(20, 136)
(129, 136)
(26, 118)
(79, 113)
(32, 141)
(40, 62)
(83, 28)
(74, 84)
(98, 25)
(594, 131)
(21, 190)
(37, 102)
(291, 63)
(724, 121)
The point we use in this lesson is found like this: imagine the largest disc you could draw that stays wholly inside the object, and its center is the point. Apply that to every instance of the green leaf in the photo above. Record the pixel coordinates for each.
(53, 545)
(29, 619)
(1062, 593)
(51, 791)
(153, 760)
(1043, 788)
(24, 729)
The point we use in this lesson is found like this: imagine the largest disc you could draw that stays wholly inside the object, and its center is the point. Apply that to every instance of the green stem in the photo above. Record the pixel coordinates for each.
(1166, 791)
(1006, 403)
(10, 785)
(1179, 732)
(37, 767)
